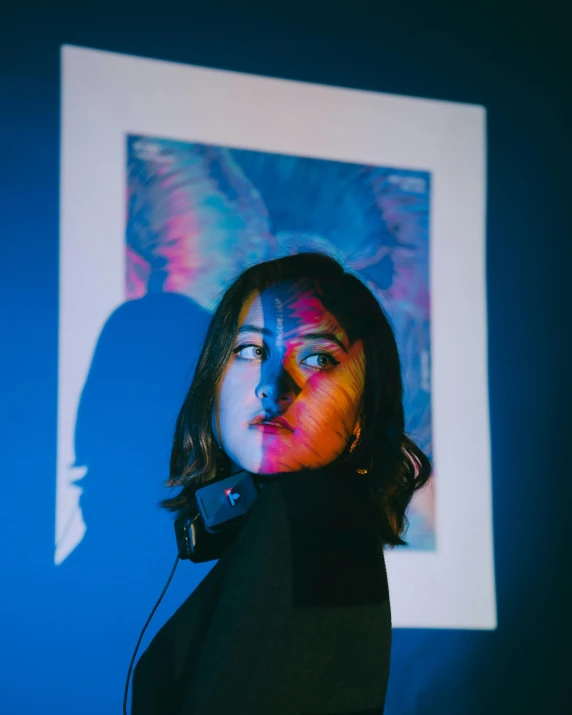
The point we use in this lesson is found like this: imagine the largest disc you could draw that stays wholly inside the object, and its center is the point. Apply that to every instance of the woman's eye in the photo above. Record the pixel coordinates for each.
(249, 352)
(320, 361)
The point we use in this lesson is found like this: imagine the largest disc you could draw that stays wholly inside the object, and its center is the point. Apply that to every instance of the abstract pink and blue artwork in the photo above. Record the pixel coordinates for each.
(197, 215)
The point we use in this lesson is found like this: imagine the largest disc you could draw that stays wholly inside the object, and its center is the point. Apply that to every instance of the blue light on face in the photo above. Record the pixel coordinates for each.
(277, 388)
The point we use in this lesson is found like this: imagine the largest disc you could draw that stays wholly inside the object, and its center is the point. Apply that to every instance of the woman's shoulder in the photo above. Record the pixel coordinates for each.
(317, 536)
(171, 642)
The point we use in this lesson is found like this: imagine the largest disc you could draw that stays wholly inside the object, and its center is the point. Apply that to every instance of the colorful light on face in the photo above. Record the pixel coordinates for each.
(290, 396)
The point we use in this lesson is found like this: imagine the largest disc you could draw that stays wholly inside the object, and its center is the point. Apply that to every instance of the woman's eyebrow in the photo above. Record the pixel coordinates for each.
(324, 336)
(248, 328)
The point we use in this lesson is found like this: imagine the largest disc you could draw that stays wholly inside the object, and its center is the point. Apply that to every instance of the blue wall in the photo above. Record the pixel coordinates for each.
(515, 65)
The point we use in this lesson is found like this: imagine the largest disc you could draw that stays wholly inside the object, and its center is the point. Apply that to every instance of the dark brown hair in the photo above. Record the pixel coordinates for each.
(396, 466)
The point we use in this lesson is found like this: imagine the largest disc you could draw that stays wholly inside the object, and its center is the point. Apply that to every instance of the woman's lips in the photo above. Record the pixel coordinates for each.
(272, 425)
(271, 429)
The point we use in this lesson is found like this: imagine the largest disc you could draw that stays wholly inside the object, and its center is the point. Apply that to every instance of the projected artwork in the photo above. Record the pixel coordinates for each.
(198, 214)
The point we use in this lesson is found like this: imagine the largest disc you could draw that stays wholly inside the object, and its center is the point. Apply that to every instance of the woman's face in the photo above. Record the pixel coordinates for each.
(290, 396)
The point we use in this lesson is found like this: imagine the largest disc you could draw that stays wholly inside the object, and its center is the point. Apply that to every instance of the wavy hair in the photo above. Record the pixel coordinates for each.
(396, 466)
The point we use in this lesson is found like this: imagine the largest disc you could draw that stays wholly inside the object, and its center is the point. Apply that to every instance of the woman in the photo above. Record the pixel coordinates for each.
(299, 384)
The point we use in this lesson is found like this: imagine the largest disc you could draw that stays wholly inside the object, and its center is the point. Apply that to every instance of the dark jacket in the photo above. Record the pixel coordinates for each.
(294, 618)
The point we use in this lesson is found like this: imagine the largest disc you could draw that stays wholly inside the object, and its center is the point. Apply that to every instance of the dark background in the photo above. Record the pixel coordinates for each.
(514, 59)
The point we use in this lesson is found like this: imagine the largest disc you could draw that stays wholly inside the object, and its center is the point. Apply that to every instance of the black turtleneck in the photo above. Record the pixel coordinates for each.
(293, 619)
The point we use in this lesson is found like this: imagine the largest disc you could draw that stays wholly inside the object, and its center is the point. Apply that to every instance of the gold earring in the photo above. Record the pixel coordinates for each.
(356, 439)
(354, 445)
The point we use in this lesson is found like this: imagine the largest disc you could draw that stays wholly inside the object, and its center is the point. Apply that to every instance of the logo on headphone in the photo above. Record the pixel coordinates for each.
(232, 496)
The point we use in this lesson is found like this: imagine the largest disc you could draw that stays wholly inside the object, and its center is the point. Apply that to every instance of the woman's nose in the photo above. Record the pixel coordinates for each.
(276, 388)
(270, 393)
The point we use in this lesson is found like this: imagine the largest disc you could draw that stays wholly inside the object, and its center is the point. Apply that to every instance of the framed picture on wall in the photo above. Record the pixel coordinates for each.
(175, 178)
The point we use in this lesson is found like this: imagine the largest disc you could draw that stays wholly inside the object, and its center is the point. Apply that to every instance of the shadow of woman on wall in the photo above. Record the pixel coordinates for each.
(142, 366)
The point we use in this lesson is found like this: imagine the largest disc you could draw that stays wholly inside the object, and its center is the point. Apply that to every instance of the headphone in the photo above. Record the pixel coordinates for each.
(206, 528)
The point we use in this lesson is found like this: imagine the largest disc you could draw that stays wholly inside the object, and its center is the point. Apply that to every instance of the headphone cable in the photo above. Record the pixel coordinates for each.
(126, 691)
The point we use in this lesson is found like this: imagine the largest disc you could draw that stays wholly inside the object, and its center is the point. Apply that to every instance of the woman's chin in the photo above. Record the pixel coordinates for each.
(269, 470)
(277, 462)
